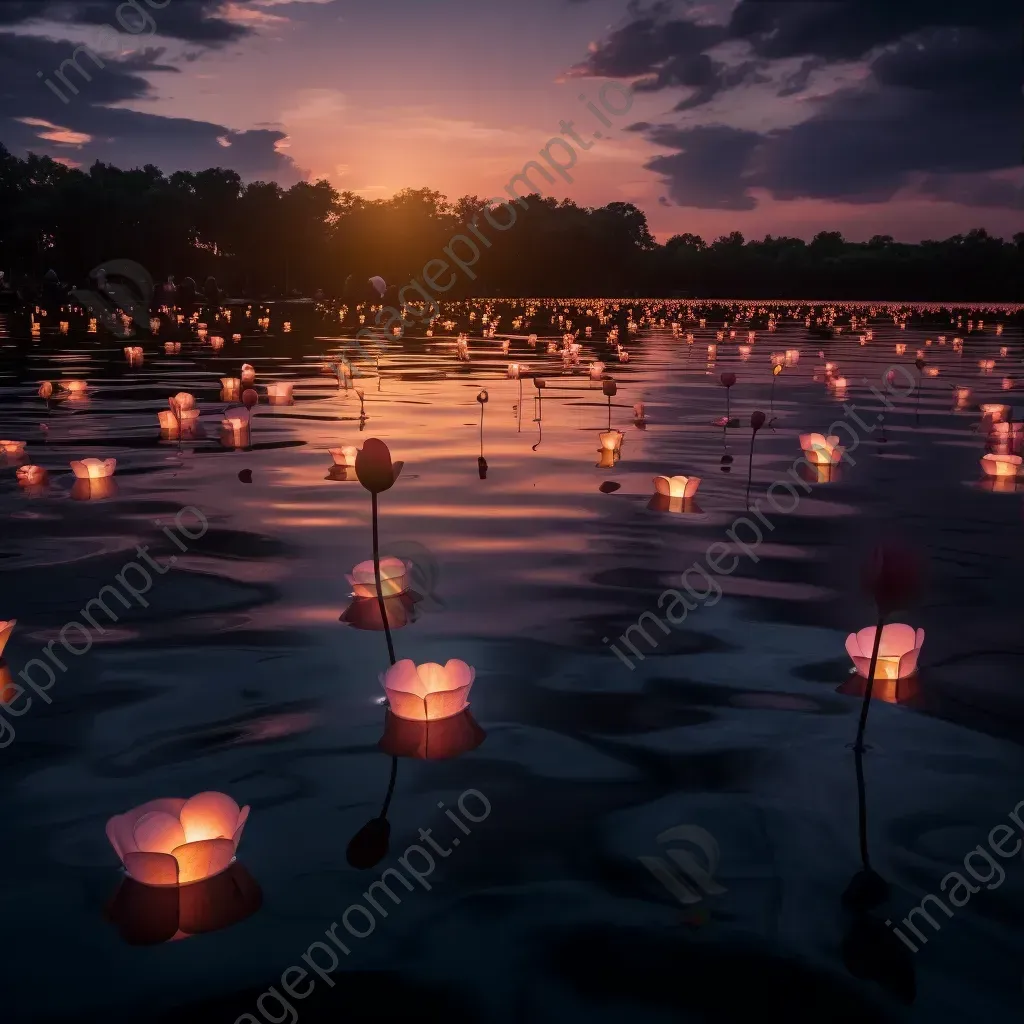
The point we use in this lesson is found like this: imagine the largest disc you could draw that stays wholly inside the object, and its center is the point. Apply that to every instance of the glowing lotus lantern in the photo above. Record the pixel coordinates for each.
(31, 476)
(987, 364)
(596, 371)
(235, 428)
(175, 841)
(639, 412)
(394, 574)
(1002, 466)
(280, 392)
(201, 333)
(611, 440)
(6, 629)
(168, 421)
(345, 456)
(898, 650)
(744, 351)
(513, 371)
(94, 469)
(216, 344)
(821, 450)
(995, 412)
(792, 356)
(677, 486)
(430, 692)
(172, 348)
(230, 388)
(248, 374)
(181, 403)
(962, 396)
(12, 447)
(74, 386)
(236, 337)
(1004, 351)
(45, 389)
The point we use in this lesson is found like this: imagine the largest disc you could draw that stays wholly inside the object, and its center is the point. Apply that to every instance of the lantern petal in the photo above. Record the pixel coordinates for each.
(158, 832)
(402, 677)
(203, 859)
(692, 483)
(663, 485)
(209, 816)
(407, 705)
(121, 833)
(243, 817)
(152, 868)
(433, 677)
(445, 703)
(897, 639)
(459, 674)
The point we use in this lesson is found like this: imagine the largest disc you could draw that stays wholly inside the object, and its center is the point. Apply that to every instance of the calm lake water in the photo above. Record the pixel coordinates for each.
(238, 676)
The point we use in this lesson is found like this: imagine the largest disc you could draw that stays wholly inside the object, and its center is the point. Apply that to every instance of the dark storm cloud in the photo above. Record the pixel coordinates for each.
(938, 108)
(848, 29)
(191, 20)
(125, 137)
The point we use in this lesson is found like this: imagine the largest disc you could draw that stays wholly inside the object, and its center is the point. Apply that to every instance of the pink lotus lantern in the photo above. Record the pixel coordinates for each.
(1003, 466)
(94, 469)
(13, 447)
(74, 386)
(427, 693)
(172, 348)
(181, 402)
(168, 422)
(235, 428)
(236, 337)
(596, 371)
(230, 388)
(821, 450)
(6, 629)
(514, 371)
(393, 577)
(174, 841)
(995, 412)
(677, 486)
(248, 374)
(45, 389)
(31, 476)
(898, 650)
(279, 393)
(345, 456)
(133, 353)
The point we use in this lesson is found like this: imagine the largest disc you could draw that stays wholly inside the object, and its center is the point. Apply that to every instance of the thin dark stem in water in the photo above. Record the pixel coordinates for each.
(391, 788)
(862, 809)
(380, 590)
(862, 724)
(609, 412)
(728, 407)
(772, 407)
(481, 430)
(750, 466)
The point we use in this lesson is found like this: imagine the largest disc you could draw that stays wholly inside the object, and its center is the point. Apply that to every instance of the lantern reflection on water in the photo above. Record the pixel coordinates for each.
(432, 740)
(898, 650)
(174, 841)
(428, 692)
(6, 629)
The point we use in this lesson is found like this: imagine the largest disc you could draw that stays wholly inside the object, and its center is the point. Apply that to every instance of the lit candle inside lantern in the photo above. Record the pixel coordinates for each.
(345, 456)
(31, 475)
(13, 447)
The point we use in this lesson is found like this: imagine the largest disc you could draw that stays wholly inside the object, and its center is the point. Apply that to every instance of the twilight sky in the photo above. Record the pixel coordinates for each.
(898, 117)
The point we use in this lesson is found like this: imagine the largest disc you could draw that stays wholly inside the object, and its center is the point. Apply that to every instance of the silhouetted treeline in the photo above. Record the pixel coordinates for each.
(259, 239)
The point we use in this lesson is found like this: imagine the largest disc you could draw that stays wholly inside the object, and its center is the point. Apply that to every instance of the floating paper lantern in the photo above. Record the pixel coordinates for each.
(45, 389)
(1001, 465)
(181, 402)
(1004, 351)
(31, 475)
(639, 412)
(175, 841)
(74, 386)
(987, 364)
(596, 371)
(394, 575)
(280, 392)
(677, 486)
(230, 388)
(995, 412)
(12, 447)
(744, 351)
(430, 692)
(898, 650)
(172, 348)
(235, 428)
(514, 371)
(168, 421)
(611, 440)
(822, 450)
(133, 353)
(236, 337)
(6, 629)
(216, 344)
(248, 374)
(345, 456)
(792, 356)
(94, 469)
